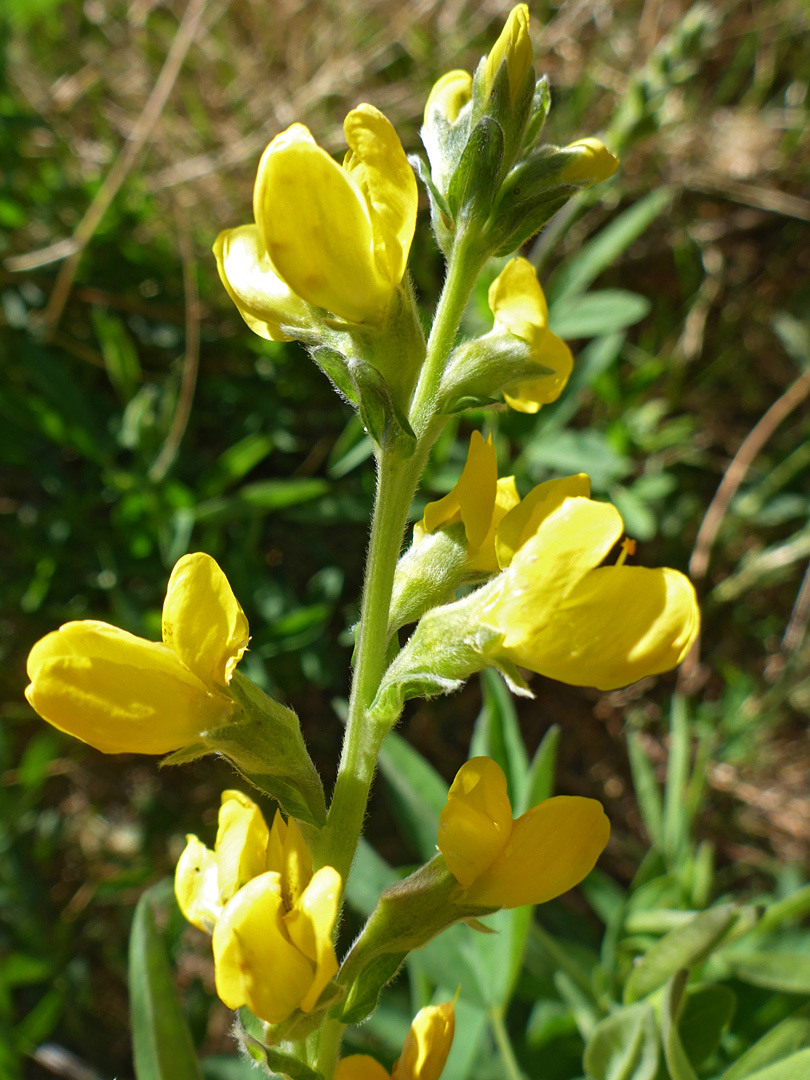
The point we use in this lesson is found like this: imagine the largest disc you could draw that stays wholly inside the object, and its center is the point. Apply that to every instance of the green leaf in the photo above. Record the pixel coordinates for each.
(417, 791)
(676, 818)
(497, 735)
(577, 273)
(795, 1067)
(684, 947)
(647, 791)
(161, 1043)
(674, 1053)
(777, 969)
(624, 1046)
(784, 1039)
(540, 781)
(119, 352)
(705, 1015)
(596, 313)
(236, 462)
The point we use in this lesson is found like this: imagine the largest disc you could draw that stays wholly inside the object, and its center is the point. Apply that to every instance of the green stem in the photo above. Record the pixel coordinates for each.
(397, 481)
(462, 271)
(504, 1043)
(330, 1034)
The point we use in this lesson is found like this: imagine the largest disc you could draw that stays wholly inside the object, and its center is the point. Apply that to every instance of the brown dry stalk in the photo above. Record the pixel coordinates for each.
(733, 477)
(70, 250)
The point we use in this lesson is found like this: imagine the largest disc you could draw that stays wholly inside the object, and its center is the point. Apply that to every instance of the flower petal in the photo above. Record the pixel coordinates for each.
(118, 692)
(263, 300)
(619, 625)
(321, 245)
(485, 560)
(567, 545)
(255, 964)
(379, 166)
(515, 47)
(523, 521)
(552, 352)
(241, 844)
(472, 500)
(196, 885)
(202, 619)
(476, 819)
(310, 926)
(551, 848)
(517, 301)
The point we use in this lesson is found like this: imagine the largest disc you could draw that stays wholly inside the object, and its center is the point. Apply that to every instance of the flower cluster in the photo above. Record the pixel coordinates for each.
(270, 916)
(325, 262)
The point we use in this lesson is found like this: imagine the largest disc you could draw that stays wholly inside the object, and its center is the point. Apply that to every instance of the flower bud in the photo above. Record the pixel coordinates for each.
(514, 48)
(590, 162)
(520, 359)
(423, 1056)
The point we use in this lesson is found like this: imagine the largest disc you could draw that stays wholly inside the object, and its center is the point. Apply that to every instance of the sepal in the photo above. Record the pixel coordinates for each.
(408, 915)
(264, 744)
(427, 575)
(441, 219)
(483, 369)
(475, 180)
(257, 1044)
(449, 644)
(366, 388)
(541, 106)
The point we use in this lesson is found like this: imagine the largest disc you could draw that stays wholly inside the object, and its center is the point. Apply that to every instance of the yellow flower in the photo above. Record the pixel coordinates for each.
(206, 880)
(519, 306)
(270, 916)
(272, 955)
(424, 1054)
(336, 237)
(496, 520)
(513, 46)
(479, 501)
(562, 614)
(506, 863)
(590, 163)
(123, 694)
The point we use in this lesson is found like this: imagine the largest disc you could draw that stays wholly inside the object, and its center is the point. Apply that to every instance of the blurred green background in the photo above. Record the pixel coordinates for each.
(139, 419)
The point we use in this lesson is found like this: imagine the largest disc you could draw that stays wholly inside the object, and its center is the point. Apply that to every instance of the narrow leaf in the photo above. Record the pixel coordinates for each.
(161, 1043)
(624, 1046)
(684, 947)
(674, 1053)
(781, 1041)
(605, 248)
